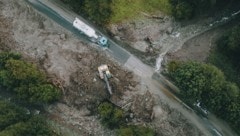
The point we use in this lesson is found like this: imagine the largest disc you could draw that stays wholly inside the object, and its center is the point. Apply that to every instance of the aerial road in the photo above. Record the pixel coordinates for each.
(65, 18)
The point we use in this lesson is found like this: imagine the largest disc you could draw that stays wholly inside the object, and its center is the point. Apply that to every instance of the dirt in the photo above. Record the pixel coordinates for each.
(199, 47)
(196, 49)
(72, 65)
(172, 122)
(155, 39)
(163, 40)
(142, 33)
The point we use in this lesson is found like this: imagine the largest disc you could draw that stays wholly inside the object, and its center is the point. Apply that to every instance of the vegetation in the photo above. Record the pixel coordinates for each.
(125, 9)
(112, 11)
(113, 118)
(135, 131)
(226, 55)
(98, 11)
(30, 86)
(205, 83)
(105, 11)
(25, 80)
(14, 121)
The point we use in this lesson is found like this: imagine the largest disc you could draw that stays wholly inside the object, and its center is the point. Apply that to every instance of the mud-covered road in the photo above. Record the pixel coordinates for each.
(70, 60)
(138, 68)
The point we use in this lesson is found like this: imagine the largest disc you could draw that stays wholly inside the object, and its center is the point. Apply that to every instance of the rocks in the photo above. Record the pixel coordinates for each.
(149, 40)
(142, 106)
(117, 38)
(169, 30)
(140, 45)
(62, 37)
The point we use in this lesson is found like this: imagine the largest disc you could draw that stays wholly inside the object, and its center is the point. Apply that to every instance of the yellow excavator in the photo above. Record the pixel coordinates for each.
(105, 74)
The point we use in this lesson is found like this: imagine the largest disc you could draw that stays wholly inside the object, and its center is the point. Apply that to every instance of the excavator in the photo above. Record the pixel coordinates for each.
(105, 74)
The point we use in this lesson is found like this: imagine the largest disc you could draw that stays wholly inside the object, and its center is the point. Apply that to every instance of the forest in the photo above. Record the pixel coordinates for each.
(213, 83)
(16, 121)
(28, 87)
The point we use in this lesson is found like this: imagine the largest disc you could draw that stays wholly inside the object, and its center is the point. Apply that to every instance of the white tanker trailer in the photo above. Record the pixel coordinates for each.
(90, 32)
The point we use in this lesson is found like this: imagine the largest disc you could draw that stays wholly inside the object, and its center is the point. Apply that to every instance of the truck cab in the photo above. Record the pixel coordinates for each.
(103, 41)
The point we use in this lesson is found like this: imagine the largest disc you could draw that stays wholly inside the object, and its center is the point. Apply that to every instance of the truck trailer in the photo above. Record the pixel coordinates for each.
(90, 32)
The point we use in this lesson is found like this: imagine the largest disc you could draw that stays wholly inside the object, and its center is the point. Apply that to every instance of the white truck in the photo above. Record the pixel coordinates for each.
(90, 32)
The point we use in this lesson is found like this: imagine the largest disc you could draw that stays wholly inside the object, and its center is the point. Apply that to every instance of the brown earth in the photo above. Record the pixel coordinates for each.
(199, 47)
(72, 65)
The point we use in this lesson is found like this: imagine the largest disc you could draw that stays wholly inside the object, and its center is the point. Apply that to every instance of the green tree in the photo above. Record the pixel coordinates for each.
(183, 10)
(206, 83)
(135, 131)
(18, 129)
(229, 44)
(125, 131)
(23, 73)
(39, 93)
(4, 56)
(111, 116)
(200, 81)
(190, 78)
(14, 121)
(99, 11)
(26, 80)
(10, 114)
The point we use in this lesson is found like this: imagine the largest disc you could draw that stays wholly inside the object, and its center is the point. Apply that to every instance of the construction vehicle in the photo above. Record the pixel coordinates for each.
(90, 32)
(105, 74)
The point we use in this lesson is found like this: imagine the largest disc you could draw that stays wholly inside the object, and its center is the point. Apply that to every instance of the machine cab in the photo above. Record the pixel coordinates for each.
(103, 41)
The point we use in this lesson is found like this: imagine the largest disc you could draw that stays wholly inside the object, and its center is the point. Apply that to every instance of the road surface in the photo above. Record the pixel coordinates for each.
(64, 17)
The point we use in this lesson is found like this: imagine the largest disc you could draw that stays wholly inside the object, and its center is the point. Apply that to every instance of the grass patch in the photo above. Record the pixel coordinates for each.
(128, 9)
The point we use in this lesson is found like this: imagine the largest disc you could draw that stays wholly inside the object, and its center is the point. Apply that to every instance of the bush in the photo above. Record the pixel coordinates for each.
(15, 122)
(207, 84)
(10, 114)
(183, 10)
(25, 80)
(226, 57)
(111, 116)
(135, 131)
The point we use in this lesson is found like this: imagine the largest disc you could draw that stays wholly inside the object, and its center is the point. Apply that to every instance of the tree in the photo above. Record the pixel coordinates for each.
(229, 44)
(183, 10)
(18, 129)
(4, 56)
(23, 73)
(200, 82)
(15, 122)
(26, 80)
(135, 131)
(125, 131)
(207, 84)
(111, 116)
(99, 10)
(39, 93)
(10, 114)
(190, 78)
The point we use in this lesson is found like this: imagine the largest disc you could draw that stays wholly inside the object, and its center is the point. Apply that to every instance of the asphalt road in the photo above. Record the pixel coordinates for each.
(65, 18)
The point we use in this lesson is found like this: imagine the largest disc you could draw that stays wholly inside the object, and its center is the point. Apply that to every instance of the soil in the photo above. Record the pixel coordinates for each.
(153, 38)
(72, 65)
(163, 40)
(198, 48)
